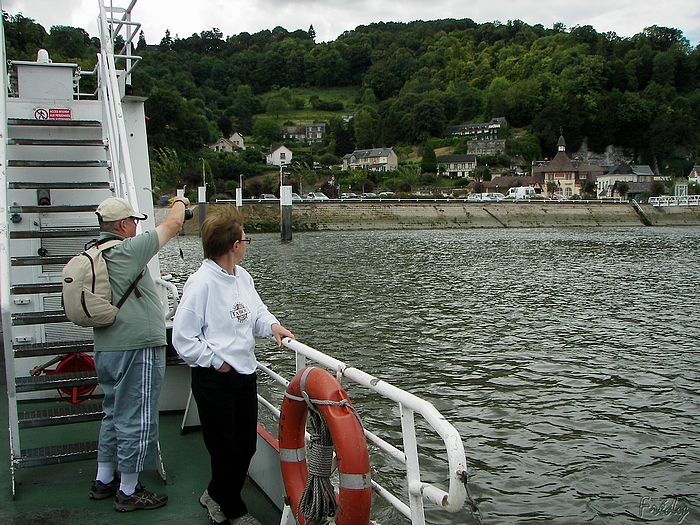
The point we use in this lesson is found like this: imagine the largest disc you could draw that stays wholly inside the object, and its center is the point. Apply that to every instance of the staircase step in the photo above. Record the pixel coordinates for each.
(51, 349)
(20, 289)
(53, 123)
(55, 381)
(54, 234)
(27, 318)
(58, 185)
(35, 457)
(63, 415)
(53, 208)
(57, 163)
(36, 260)
(55, 142)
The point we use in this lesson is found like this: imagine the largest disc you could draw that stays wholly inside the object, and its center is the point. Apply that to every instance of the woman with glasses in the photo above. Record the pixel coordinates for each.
(214, 332)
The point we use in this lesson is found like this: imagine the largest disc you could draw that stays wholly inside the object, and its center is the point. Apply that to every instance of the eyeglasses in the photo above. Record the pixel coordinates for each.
(246, 240)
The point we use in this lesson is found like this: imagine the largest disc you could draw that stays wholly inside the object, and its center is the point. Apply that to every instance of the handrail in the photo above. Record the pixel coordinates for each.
(174, 294)
(5, 270)
(122, 171)
(453, 500)
(673, 200)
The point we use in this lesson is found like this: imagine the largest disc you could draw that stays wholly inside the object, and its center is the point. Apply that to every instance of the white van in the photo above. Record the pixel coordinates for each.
(521, 192)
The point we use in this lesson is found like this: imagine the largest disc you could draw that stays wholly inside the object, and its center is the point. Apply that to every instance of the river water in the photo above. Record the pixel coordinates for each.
(566, 358)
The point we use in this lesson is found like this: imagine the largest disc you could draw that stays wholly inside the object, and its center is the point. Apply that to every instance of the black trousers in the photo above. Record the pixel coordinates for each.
(228, 410)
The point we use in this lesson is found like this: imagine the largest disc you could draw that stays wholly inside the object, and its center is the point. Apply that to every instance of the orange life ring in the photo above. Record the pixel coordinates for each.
(355, 491)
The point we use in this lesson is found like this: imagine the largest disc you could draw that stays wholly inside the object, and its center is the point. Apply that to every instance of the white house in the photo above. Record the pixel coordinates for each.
(280, 156)
(623, 173)
(376, 159)
(457, 166)
(228, 145)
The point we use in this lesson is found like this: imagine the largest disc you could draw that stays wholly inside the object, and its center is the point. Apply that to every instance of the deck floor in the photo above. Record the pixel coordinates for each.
(58, 494)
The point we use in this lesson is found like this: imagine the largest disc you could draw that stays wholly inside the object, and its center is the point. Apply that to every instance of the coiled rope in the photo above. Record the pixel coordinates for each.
(317, 503)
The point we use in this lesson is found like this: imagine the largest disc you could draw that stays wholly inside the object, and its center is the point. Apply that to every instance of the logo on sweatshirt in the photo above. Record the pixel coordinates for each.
(240, 312)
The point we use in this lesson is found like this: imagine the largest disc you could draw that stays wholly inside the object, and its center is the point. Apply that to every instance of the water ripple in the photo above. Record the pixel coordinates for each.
(566, 359)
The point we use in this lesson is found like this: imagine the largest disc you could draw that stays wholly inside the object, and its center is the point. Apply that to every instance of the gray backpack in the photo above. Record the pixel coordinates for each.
(87, 294)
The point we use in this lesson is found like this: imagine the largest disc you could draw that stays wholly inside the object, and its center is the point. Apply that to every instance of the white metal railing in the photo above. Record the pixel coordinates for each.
(453, 500)
(5, 270)
(673, 200)
(108, 82)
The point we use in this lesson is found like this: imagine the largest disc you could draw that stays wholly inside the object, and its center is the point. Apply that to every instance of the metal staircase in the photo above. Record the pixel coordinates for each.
(62, 153)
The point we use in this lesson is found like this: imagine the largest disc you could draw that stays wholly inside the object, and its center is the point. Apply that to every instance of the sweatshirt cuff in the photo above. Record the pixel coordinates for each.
(216, 362)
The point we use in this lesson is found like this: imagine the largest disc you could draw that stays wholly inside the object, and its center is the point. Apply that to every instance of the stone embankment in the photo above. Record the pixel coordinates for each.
(404, 215)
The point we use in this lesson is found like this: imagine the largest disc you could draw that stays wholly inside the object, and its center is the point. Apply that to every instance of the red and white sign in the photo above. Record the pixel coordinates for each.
(53, 114)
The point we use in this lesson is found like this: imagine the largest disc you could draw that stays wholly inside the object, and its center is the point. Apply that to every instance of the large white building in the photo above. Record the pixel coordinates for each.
(375, 159)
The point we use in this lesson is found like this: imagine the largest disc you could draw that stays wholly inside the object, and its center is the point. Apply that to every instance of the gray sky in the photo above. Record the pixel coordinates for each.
(331, 18)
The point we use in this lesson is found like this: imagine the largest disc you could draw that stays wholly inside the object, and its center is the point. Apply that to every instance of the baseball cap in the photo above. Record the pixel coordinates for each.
(117, 209)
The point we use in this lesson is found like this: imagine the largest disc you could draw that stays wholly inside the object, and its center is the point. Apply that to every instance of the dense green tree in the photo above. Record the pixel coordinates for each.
(365, 124)
(277, 106)
(428, 116)
(428, 162)
(23, 37)
(266, 131)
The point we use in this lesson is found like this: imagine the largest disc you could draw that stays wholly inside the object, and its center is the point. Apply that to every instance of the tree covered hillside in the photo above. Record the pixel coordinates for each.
(405, 82)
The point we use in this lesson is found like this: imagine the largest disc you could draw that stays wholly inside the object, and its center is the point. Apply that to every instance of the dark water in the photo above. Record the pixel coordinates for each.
(566, 359)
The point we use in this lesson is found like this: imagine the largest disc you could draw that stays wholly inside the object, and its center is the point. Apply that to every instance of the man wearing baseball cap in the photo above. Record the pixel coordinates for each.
(130, 356)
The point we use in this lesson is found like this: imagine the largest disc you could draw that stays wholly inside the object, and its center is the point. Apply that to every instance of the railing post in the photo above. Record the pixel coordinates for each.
(410, 448)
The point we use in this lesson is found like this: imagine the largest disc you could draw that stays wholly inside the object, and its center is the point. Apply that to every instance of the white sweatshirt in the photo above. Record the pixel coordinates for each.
(218, 317)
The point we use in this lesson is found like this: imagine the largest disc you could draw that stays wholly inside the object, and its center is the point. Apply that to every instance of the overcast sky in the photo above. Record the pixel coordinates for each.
(331, 18)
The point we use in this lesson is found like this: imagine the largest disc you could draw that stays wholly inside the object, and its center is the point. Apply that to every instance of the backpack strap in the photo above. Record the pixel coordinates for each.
(131, 289)
(107, 244)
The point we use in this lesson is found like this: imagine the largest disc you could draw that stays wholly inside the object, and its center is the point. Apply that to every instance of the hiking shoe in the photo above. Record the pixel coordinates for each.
(141, 499)
(246, 519)
(213, 509)
(101, 490)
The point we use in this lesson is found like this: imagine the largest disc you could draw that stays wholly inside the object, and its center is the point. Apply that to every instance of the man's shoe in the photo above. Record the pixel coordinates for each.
(101, 490)
(141, 499)
(246, 519)
(213, 509)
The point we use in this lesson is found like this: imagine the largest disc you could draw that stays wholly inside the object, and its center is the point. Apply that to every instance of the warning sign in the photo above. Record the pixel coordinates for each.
(53, 114)
(59, 114)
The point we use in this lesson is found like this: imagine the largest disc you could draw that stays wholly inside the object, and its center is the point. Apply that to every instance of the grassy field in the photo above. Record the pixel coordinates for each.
(347, 95)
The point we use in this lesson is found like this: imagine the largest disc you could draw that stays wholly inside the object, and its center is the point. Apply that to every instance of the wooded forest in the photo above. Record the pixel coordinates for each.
(403, 83)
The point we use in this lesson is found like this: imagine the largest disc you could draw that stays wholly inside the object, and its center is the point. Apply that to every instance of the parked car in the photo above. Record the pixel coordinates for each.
(348, 196)
(267, 197)
(559, 197)
(296, 197)
(477, 197)
(497, 197)
(317, 196)
(368, 196)
(387, 194)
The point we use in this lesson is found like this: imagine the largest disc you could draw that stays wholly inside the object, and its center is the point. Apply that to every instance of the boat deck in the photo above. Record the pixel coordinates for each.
(58, 494)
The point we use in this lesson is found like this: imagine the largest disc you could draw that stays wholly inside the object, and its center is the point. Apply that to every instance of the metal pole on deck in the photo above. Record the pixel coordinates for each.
(202, 198)
(286, 208)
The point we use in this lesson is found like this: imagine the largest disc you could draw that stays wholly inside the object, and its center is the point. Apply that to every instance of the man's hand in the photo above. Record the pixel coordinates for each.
(183, 200)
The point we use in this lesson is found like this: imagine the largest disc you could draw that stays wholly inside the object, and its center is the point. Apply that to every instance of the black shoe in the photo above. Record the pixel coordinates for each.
(101, 490)
(141, 499)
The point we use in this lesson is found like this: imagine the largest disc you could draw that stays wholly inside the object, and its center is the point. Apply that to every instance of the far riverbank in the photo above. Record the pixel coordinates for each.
(439, 214)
